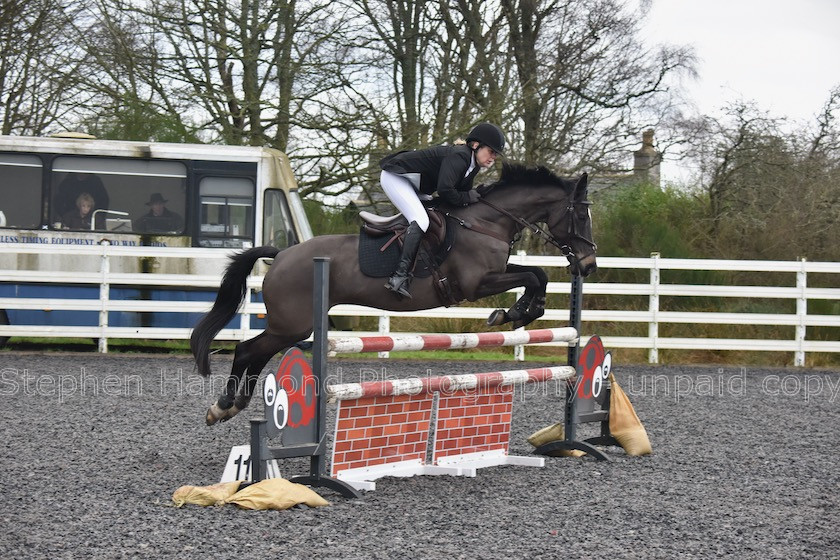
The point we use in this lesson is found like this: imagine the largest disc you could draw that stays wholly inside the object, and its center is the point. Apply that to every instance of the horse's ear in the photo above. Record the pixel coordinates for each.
(581, 187)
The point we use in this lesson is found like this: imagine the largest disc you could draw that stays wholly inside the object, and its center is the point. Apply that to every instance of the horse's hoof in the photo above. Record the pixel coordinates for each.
(218, 414)
(525, 321)
(231, 412)
(214, 414)
(498, 317)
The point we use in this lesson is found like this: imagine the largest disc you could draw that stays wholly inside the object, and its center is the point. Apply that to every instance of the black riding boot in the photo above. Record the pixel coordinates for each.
(400, 282)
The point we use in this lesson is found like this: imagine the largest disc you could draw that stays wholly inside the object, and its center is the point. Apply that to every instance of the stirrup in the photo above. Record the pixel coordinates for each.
(399, 285)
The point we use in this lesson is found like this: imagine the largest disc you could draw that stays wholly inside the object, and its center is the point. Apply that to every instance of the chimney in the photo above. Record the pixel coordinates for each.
(646, 160)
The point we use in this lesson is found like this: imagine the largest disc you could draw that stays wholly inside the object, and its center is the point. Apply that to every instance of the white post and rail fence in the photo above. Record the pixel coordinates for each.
(810, 332)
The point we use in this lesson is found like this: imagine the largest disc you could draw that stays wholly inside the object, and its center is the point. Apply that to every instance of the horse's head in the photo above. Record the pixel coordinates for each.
(571, 224)
(541, 196)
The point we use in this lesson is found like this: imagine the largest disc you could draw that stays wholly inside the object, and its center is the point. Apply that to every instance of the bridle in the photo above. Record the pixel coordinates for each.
(573, 228)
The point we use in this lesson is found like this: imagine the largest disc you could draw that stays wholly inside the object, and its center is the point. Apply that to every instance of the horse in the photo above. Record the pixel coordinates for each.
(477, 265)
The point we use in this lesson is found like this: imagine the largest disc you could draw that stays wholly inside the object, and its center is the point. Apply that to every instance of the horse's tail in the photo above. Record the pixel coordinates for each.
(230, 296)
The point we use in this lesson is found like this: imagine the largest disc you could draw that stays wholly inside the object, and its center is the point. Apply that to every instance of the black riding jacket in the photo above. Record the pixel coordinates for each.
(441, 169)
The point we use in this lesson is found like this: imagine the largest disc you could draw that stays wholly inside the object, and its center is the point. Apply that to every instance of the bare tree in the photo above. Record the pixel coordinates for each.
(569, 80)
(39, 65)
(242, 70)
(772, 191)
(826, 141)
(337, 84)
(271, 73)
(395, 41)
(476, 65)
(585, 79)
(133, 96)
(226, 57)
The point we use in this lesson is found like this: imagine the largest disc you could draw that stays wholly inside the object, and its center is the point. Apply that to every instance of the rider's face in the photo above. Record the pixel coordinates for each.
(485, 156)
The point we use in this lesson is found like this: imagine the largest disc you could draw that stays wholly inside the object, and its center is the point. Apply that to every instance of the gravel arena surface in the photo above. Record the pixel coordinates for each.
(745, 465)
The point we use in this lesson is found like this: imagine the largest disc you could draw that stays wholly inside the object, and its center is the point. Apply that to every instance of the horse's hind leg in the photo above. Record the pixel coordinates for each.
(262, 351)
(251, 356)
(222, 409)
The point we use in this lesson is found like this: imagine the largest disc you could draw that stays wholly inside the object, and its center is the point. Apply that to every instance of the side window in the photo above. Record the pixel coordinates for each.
(227, 212)
(120, 195)
(20, 191)
(278, 230)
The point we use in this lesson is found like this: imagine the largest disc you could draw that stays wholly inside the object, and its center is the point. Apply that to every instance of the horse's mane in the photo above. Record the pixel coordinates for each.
(521, 174)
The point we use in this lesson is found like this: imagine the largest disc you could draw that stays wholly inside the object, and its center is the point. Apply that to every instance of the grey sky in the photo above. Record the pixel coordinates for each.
(783, 55)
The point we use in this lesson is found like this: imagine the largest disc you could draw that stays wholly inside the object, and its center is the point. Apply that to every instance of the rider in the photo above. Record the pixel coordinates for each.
(411, 176)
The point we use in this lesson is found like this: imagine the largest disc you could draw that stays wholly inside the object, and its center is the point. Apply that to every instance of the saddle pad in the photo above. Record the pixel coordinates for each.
(376, 263)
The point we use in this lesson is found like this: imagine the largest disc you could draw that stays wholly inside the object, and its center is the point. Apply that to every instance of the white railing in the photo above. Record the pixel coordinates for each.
(654, 316)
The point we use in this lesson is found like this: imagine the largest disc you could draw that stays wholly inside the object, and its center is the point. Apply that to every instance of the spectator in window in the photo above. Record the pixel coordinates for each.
(73, 186)
(159, 218)
(79, 218)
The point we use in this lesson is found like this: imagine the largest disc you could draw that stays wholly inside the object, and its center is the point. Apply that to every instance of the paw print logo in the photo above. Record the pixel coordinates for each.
(595, 364)
(291, 394)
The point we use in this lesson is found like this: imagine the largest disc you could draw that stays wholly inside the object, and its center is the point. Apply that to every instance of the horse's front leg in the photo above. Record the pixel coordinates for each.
(531, 306)
(527, 308)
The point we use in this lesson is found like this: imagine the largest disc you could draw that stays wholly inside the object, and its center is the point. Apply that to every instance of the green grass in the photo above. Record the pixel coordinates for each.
(130, 346)
(115, 345)
(533, 354)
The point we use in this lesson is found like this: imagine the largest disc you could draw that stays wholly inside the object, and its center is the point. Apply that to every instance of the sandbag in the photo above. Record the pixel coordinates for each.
(214, 495)
(276, 493)
(551, 433)
(625, 425)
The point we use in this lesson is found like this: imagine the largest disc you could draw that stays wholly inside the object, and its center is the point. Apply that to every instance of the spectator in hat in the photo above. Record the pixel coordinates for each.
(159, 218)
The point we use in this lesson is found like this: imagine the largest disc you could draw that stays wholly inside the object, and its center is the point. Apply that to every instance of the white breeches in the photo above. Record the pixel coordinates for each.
(407, 200)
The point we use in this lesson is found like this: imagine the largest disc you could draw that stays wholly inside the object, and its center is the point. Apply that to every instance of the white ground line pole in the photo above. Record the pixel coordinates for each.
(104, 293)
(519, 349)
(384, 329)
(801, 315)
(653, 326)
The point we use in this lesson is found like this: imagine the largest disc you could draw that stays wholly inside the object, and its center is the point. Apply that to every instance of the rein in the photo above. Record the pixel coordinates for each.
(479, 229)
(540, 232)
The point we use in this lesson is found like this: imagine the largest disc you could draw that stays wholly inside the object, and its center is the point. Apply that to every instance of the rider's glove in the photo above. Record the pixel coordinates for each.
(472, 197)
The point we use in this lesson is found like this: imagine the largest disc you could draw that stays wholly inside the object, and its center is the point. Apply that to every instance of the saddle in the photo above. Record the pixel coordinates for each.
(377, 226)
(380, 239)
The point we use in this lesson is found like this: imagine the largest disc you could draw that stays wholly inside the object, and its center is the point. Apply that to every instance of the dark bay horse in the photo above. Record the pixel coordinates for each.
(477, 265)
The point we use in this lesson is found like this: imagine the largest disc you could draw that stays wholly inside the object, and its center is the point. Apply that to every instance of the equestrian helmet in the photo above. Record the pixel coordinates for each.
(489, 135)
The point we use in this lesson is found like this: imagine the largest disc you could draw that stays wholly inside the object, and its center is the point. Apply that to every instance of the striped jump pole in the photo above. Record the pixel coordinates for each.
(402, 343)
(445, 383)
